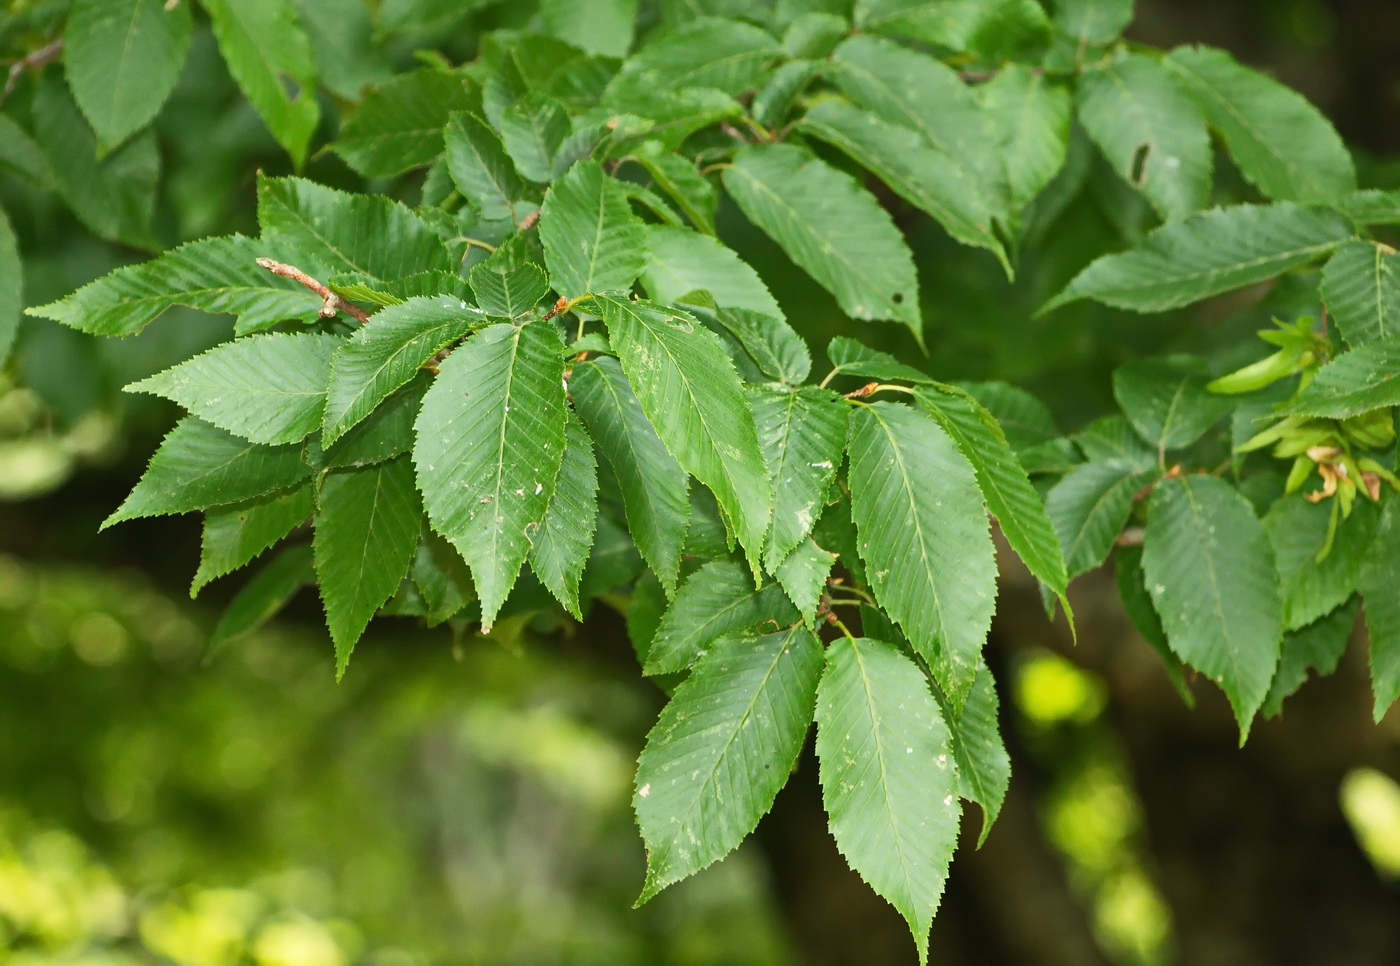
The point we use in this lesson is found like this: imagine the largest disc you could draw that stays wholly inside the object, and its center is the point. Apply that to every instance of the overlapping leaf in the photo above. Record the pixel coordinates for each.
(680, 262)
(1090, 507)
(234, 535)
(803, 575)
(480, 167)
(1318, 646)
(508, 294)
(11, 287)
(1166, 400)
(399, 124)
(259, 600)
(592, 240)
(1298, 530)
(1355, 382)
(717, 600)
(1030, 118)
(984, 767)
(773, 345)
(490, 439)
(599, 27)
(1361, 286)
(559, 548)
(1379, 578)
(924, 538)
(724, 54)
(533, 129)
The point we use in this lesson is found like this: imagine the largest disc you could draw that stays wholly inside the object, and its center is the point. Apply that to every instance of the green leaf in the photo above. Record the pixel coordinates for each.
(802, 575)
(441, 576)
(1281, 143)
(327, 231)
(1030, 117)
(509, 294)
(682, 182)
(722, 749)
(680, 262)
(387, 351)
(690, 392)
(1004, 484)
(1090, 507)
(1209, 253)
(1024, 419)
(924, 538)
(653, 484)
(367, 526)
(115, 196)
(771, 343)
(774, 101)
(984, 767)
(490, 439)
(889, 783)
(1151, 132)
(1379, 578)
(480, 167)
(383, 434)
(1371, 207)
(803, 433)
(1114, 438)
(1361, 286)
(1166, 400)
(921, 174)
(399, 125)
(724, 54)
(213, 275)
(11, 287)
(852, 358)
(343, 47)
(831, 227)
(592, 240)
(20, 156)
(1210, 571)
(266, 388)
(532, 129)
(1298, 530)
(1137, 604)
(198, 466)
(913, 90)
(991, 30)
(1318, 646)
(259, 600)
(235, 534)
(122, 59)
(1093, 21)
(265, 48)
(363, 288)
(1355, 382)
(717, 600)
(602, 28)
(559, 548)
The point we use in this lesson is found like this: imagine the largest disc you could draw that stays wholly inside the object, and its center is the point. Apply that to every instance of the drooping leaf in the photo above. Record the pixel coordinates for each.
(1093, 21)
(559, 548)
(911, 89)
(653, 484)
(1209, 253)
(1024, 419)
(773, 345)
(592, 240)
(329, 231)
(599, 27)
(1137, 604)
(724, 54)
(690, 392)
(372, 291)
(122, 59)
(803, 575)
(198, 466)
(265, 48)
(717, 600)
(889, 781)
(267, 388)
(1004, 484)
(11, 287)
(854, 358)
(259, 600)
(367, 525)
(442, 578)
(1114, 438)
(682, 182)
(385, 353)
(1280, 142)
(802, 432)
(1030, 115)
(399, 125)
(924, 538)
(1298, 530)
(532, 129)
(1151, 131)
(480, 167)
(1355, 382)
(1210, 571)
(235, 534)
(722, 749)
(1166, 400)
(1319, 646)
(773, 102)
(831, 227)
(1090, 507)
(680, 262)
(1379, 578)
(984, 767)
(344, 49)
(1361, 286)
(924, 176)
(213, 275)
(510, 294)
(490, 439)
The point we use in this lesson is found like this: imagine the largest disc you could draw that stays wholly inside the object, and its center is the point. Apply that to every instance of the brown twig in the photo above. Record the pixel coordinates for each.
(529, 220)
(31, 60)
(562, 305)
(330, 302)
(868, 389)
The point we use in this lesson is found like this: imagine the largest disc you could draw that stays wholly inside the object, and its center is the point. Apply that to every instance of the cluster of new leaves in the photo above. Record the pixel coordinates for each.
(551, 383)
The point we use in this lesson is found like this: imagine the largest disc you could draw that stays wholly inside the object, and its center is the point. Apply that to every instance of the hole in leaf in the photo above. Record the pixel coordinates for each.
(897, 298)
(1137, 171)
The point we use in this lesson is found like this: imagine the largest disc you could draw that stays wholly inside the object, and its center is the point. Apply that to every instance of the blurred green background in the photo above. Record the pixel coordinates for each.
(466, 801)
